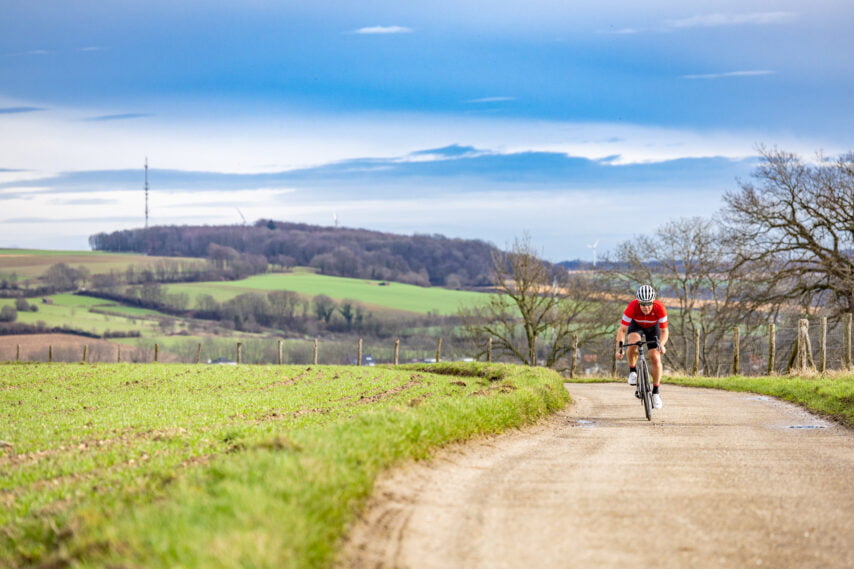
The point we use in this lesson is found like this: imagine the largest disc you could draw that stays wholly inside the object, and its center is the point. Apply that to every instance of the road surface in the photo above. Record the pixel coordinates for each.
(717, 479)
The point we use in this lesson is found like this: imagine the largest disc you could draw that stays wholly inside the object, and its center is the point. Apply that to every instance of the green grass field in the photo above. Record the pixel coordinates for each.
(73, 311)
(395, 296)
(29, 264)
(163, 466)
(99, 316)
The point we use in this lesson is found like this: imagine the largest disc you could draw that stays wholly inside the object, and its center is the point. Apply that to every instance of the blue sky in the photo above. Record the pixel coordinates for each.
(573, 121)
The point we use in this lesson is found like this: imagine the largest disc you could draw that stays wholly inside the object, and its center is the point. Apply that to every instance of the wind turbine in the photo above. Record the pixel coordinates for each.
(241, 215)
(593, 246)
(335, 218)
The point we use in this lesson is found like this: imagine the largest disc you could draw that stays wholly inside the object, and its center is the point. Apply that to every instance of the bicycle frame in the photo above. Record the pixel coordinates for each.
(644, 386)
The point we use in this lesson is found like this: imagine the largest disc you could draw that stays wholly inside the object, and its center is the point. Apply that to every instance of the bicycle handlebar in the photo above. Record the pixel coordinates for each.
(640, 343)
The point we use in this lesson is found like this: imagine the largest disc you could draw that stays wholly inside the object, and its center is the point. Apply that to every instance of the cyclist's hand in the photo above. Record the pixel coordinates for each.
(620, 354)
(661, 349)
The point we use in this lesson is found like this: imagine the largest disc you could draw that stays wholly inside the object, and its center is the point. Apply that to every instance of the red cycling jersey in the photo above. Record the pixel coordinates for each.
(658, 315)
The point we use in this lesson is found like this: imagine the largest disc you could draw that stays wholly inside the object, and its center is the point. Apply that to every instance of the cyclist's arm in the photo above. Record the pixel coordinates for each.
(665, 334)
(621, 335)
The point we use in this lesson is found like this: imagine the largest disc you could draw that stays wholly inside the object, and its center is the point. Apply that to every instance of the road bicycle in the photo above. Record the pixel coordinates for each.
(644, 386)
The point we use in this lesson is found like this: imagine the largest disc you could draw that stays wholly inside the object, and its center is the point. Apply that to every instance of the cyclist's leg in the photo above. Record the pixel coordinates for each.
(632, 352)
(632, 337)
(656, 366)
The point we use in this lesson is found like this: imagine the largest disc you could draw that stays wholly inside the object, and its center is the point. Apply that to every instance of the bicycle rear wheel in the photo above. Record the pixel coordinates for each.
(644, 388)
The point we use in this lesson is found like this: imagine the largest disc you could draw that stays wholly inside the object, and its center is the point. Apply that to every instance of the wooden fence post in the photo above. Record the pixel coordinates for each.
(790, 366)
(118, 354)
(316, 351)
(695, 369)
(281, 355)
(50, 354)
(614, 361)
(85, 353)
(574, 359)
(846, 348)
(239, 353)
(359, 355)
(735, 351)
(438, 350)
(772, 347)
(396, 351)
(822, 345)
(18, 353)
(199, 353)
(489, 350)
(804, 359)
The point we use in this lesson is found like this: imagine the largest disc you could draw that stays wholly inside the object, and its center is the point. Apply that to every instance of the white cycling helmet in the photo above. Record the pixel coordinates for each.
(645, 293)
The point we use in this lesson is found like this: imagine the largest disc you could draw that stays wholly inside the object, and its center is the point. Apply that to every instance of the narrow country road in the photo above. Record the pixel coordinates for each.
(717, 479)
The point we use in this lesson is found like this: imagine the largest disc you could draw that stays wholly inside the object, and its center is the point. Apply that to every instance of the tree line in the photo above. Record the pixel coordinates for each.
(426, 260)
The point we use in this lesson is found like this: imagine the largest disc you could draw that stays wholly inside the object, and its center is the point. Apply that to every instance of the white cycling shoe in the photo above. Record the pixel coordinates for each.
(656, 401)
(633, 378)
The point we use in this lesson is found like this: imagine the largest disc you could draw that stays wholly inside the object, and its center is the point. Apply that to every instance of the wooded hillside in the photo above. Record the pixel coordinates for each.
(416, 259)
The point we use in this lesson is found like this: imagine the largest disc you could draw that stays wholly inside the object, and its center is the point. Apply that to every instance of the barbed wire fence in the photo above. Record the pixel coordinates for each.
(811, 345)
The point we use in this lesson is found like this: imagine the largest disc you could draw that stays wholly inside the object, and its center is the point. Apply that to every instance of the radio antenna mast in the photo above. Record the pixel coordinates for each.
(146, 192)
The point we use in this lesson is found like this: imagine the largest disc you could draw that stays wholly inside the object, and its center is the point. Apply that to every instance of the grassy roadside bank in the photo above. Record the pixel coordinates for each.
(219, 466)
(831, 396)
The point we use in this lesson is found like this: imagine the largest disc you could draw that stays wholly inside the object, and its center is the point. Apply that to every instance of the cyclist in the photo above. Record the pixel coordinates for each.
(645, 317)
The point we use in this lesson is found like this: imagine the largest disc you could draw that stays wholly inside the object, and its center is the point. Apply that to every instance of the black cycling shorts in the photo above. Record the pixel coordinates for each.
(650, 333)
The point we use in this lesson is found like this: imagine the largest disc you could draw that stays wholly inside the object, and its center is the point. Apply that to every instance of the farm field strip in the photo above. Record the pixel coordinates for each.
(174, 465)
(31, 263)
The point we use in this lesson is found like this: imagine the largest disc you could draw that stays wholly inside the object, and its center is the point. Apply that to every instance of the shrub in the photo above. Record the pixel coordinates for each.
(8, 314)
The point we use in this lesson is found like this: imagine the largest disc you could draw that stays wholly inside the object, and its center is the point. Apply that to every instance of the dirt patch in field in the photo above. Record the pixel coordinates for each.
(65, 347)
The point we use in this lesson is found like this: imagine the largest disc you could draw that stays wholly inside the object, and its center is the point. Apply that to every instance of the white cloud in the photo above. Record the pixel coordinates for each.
(718, 20)
(384, 30)
(753, 73)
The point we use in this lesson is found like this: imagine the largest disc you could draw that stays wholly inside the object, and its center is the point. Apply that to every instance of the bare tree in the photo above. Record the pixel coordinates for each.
(795, 228)
(536, 310)
(324, 307)
(62, 277)
(702, 286)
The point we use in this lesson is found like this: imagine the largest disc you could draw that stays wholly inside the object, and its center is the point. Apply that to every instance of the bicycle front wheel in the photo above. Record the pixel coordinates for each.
(645, 388)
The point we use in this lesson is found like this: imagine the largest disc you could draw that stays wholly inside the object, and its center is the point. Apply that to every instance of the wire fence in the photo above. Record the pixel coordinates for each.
(809, 345)
(270, 351)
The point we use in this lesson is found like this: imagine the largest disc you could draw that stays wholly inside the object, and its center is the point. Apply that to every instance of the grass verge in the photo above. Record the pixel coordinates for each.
(218, 466)
(831, 396)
